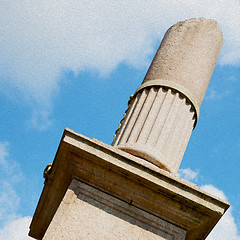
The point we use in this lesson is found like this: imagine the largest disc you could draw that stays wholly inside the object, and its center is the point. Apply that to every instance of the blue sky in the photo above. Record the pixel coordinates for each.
(75, 63)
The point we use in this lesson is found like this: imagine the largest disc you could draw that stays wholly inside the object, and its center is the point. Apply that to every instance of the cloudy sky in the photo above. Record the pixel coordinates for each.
(74, 64)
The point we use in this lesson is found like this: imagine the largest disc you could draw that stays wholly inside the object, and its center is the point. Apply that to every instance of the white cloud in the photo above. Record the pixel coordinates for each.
(3, 155)
(9, 202)
(16, 230)
(188, 174)
(212, 94)
(8, 166)
(12, 225)
(10, 174)
(41, 119)
(39, 39)
(226, 228)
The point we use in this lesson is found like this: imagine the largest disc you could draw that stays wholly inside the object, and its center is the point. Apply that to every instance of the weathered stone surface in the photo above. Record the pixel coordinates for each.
(122, 188)
(187, 55)
(87, 213)
(163, 112)
(157, 127)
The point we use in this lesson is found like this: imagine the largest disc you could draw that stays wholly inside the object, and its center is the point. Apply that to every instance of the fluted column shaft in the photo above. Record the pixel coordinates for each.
(159, 124)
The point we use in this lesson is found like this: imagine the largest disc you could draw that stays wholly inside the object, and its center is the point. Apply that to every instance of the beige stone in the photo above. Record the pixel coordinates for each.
(164, 110)
(157, 127)
(187, 55)
(96, 191)
(87, 213)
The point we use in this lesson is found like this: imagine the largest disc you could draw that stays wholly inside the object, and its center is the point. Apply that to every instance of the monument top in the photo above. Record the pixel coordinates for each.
(187, 56)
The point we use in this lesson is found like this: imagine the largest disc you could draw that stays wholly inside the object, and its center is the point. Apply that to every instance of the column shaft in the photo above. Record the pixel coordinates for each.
(159, 124)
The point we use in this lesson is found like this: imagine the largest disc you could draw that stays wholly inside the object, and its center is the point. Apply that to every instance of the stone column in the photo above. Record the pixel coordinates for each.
(165, 108)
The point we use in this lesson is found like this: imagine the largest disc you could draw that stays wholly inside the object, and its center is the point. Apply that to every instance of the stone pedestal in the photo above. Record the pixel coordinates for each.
(87, 213)
(95, 191)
